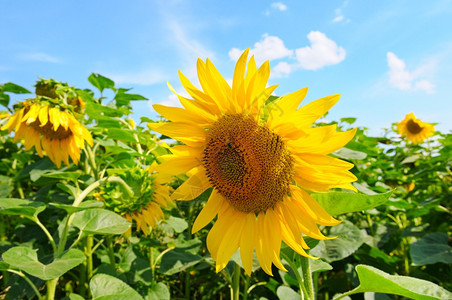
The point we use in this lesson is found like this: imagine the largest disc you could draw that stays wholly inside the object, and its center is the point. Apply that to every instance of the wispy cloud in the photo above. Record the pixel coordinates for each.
(338, 19)
(322, 52)
(405, 80)
(275, 6)
(146, 77)
(39, 57)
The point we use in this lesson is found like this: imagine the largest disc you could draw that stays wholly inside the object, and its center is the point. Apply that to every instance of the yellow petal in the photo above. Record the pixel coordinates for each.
(247, 242)
(209, 211)
(309, 113)
(192, 187)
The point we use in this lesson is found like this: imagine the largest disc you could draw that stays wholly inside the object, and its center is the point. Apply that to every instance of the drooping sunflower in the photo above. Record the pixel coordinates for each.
(414, 129)
(50, 129)
(150, 193)
(261, 161)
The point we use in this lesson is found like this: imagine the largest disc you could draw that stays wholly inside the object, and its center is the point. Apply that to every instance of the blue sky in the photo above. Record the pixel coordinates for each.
(386, 58)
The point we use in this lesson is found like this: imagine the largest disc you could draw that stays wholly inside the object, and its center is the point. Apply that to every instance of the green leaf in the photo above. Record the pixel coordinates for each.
(124, 98)
(101, 82)
(158, 291)
(286, 293)
(337, 203)
(318, 265)
(178, 260)
(348, 120)
(5, 190)
(374, 280)
(410, 159)
(26, 259)
(431, 249)
(4, 266)
(72, 176)
(10, 87)
(89, 204)
(106, 287)
(100, 221)
(4, 99)
(73, 296)
(121, 134)
(173, 224)
(346, 153)
(349, 239)
(21, 207)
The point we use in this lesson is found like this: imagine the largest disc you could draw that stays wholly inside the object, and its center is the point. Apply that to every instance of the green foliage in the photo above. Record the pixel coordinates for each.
(394, 237)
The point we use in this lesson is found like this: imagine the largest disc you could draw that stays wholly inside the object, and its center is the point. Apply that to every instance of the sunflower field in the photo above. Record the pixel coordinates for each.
(236, 194)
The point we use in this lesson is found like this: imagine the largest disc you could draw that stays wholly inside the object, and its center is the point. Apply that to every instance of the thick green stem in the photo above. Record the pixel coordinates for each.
(51, 288)
(89, 256)
(35, 289)
(236, 282)
(303, 291)
(111, 252)
(307, 277)
(245, 288)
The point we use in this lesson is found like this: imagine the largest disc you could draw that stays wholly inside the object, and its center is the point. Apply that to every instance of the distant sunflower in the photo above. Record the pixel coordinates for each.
(50, 129)
(151, 192)
(414, 129)
(260, 168)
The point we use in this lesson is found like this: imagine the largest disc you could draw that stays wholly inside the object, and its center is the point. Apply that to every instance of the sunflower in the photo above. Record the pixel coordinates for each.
(260, 161)
(150, 193)
(414, 129)
(50, 129)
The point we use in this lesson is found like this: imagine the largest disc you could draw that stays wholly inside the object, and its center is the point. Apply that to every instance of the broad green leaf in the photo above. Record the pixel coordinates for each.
(26, 259)
(286, 293)
(121, 134)
(348, 120)
(374, 280)
(158, 291)
(100, 221)
(73, 296)
(106, 287)
(350, 154)
(337, 203)
(4, 99)
(89, 204)
(21, 207)
(101, 82)
(431, 249)
(410, 159)
(10, 87)
(173, 224)
(349, 239)
(72, 176)
(124, 98)
(178, 260)
(71, 190)
(318, 265)
(5, 190)
(3, 266)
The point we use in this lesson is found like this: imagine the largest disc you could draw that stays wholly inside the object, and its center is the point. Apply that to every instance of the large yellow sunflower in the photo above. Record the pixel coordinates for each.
(260, 169)
(150, 193)
(50, 129)
(414, 129)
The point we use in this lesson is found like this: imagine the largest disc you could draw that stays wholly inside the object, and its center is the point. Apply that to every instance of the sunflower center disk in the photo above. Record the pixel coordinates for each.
(47, 130)
(247, 163)
(413, 127)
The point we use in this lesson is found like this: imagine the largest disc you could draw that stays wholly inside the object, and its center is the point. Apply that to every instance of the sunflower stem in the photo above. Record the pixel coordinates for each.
(35, 289)
(293, 266)
(111, 253)
(236, 282)
(51, 288)
(307, 277)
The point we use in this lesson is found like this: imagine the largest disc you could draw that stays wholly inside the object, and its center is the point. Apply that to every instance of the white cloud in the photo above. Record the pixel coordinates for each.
(403, 79)
(322, 52)
(338, 19)
(279, 6)
(172, 100)
(147, 77)
(269, 48)
(39, 56)
(282, 69)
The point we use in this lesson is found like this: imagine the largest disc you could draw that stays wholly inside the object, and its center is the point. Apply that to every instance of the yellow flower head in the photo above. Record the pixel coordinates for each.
(150, 193)
(50, 129)
(259, 159)
(414, 129)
